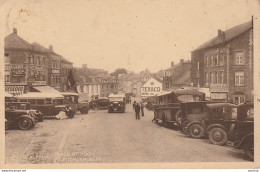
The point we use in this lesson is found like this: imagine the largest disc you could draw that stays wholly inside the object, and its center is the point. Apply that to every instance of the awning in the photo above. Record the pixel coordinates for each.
(69, 94)
(46, 89)
(39, 95)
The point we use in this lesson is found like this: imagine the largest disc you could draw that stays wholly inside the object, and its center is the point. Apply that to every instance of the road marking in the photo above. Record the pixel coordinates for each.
(60, 148)
(63, 141)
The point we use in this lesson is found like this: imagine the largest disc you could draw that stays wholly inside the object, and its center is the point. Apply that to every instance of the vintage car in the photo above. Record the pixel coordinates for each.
(150, 101)
(39, 117)
(22, 119)
(215, 116)
(116, 103)
(51, 104)
(192, 112)
(168, 104)
(102, 103)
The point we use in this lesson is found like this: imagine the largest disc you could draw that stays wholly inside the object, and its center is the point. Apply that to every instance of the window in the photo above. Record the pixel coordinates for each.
(23, 100)
(198, 65)
(216, 78)
(212, 60)
(40, 101)
(7, 78)
(211, 77)
(48, 101)
(217, 60)
(239, 57)
(221, 80)
(206, 61)
(221, 59)
(239, 78)
(206, 78)
(32, 101)
(238, 99)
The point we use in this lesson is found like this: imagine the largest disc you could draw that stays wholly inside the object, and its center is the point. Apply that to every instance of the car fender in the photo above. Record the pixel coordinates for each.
(194, 122)
(215, 126)
(245, 140)
(26, 116)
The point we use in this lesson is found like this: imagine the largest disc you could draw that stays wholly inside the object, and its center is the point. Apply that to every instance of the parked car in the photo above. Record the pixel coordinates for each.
(39, 117)
(116, 103)
(102, 103)
(192, 112)
(22, 119)
(168, 104)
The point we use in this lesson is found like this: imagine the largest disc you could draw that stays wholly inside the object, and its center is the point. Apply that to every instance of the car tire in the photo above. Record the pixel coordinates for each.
(184, 127)
(84, 110)
(25, 124)
(249, 150)
(196, 131)
(178, 117)
(218, 136)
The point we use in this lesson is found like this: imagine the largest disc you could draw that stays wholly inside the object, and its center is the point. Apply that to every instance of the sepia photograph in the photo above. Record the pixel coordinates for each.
(155, 83)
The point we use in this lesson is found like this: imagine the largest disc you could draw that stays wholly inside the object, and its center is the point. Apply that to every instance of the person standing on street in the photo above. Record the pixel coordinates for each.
(134, 104)
(142, 108)
(137, 111)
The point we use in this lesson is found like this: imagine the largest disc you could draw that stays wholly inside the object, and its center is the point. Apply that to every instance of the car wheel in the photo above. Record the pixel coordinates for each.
(184, 127)
(84, 110)
(25, 124)
(178, 117)
(249, 151)
(218, 136)
(196, 131)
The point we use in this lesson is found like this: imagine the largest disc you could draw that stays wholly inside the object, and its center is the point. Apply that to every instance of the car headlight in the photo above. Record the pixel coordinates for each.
(119, 105)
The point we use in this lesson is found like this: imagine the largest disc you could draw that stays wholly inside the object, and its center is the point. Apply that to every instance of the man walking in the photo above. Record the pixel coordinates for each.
(137, 111)
(142, 108)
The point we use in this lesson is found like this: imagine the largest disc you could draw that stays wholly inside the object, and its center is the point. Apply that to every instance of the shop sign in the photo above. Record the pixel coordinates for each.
(218, 96)
(14, 66)
(218, 87)
(152, 87)
(37, 83)
(55, 71)
(14, 89)
(18, 73)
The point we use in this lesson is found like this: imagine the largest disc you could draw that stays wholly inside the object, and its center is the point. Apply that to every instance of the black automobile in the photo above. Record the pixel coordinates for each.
(102, 103)
(38, 115)
(22, 119)
(116, 103)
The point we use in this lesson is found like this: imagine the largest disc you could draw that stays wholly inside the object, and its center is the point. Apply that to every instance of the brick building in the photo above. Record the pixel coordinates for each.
(28, 65)
(224, 65)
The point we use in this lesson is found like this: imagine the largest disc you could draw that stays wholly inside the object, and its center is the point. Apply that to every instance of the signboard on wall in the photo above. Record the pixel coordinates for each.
(218, 96)
(14, 89)
(18, 73)
(151, 87)
(39, 83)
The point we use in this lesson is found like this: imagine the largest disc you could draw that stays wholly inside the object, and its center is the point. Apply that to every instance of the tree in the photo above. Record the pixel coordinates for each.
(119, 71)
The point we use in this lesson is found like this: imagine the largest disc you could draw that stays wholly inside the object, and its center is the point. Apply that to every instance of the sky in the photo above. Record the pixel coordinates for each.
(130, 34)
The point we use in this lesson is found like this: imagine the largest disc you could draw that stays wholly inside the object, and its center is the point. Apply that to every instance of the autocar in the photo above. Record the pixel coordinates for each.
(168, 104)
(49, 104)
(38, 115)
(22, 119)
(116, 103)
(192, 112)
(102, 103)
(217, 118)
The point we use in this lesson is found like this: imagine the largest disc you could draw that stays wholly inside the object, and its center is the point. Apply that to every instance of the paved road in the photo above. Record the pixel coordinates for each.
(110, 137)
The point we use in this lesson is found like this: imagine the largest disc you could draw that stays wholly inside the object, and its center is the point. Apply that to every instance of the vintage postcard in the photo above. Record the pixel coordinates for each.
(130, 84)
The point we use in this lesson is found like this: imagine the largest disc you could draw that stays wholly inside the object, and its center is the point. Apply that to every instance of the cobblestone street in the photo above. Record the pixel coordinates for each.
(110, 137)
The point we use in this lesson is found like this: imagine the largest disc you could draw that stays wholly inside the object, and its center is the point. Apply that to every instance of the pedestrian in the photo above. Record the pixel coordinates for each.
(142, 108)
(137, 111)
(134, 104)
(130, 100)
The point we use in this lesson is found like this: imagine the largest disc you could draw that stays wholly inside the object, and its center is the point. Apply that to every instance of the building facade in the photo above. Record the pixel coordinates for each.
(224, 65)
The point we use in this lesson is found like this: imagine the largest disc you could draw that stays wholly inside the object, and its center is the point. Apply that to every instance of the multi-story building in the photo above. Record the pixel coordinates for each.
(177, 76)
(29, 65)
(109, 85)
(89, 87)
(66, 68)
(224, 65)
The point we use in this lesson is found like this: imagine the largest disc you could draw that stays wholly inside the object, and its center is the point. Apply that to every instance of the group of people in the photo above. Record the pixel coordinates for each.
(137, 108)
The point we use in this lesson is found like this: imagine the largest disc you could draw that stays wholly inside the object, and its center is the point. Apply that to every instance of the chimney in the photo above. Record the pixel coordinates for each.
(51, 48)
(181, 61)
(219, 33)
(84, 66)
(172, 64)
(15, 31)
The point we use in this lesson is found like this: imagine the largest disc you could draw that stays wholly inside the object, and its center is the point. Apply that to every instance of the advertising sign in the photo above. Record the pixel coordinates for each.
(18, 73)
(14, 89)
(38, 83)
(151, 87)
